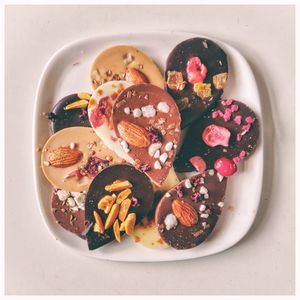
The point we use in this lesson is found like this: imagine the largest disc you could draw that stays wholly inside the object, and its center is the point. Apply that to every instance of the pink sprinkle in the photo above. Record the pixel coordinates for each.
(236, 160)
(238, 120)
(214, 114)
(223, 102)
(227, 114)
(238, 137)
(229, 101)
(242, 154)
(246, 128)
(234, 107)
(220, 113)
(250, 119)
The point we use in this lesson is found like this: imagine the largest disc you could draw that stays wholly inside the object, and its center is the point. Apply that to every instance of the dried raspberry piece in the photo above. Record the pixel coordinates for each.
(196, 71)
(154, 134)
(101, 112)
(198, 163)
(134, 202)
(214, 135)
(74, 173)
(93, 165)
(144, 167)
(196, 197)
(179, 191)
(84, 114)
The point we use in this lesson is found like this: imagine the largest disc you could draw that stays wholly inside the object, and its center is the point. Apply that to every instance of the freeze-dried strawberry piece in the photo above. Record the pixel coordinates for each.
(214, 135)
(196, 71)
(198, 163)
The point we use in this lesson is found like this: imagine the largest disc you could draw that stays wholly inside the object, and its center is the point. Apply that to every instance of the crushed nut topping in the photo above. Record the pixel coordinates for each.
(175, 81)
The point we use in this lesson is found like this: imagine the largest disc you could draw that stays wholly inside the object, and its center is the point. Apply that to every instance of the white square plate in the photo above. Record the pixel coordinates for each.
(67, 72)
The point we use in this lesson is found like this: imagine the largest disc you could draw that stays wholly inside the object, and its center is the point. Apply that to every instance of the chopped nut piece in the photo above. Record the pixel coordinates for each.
(123, 195)
(112, 216)
(220, 80)
(124, 207)
(99, 223)
(130, 223)
(117, 231)
(175, 81)
(128, 58)
(203, 90)
(86, 96)
(77, 104)
(118, 186)
(106, 203)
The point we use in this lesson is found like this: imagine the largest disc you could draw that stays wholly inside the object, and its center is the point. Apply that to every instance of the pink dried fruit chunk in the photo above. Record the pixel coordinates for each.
(214, 135)
(225, 167)
(198, 163)
(196, 71)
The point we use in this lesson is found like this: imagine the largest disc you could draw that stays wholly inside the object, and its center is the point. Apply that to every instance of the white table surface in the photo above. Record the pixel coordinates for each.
(262, 263)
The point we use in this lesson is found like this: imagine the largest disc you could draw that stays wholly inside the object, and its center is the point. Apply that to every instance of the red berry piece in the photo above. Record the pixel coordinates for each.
(198, 163)
(196, 71)
(214, 135)
(225, 167)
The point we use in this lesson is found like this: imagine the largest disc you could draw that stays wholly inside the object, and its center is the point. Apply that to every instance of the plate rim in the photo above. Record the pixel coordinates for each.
(36, 159)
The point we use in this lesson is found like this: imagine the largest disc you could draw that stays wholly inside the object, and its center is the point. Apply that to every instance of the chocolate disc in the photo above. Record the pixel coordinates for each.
(213, 58)
(141, 190)
(188, 213)
(147, 121)
(69, 217)
(93, 156)
(61, 118)
(124, 62)
(233, 116)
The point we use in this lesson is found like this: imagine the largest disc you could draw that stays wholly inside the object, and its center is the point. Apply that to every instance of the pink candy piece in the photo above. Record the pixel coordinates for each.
(225, 167)
(246, 128)
(227, 114)
(234, 107)
(238, 120)
(214, 135)
(223, 102)
(242, 154)
(250, 119)
(198, 163)
(196, 71)
(238, 137)
(229, 101)
(220, 113)
(214, 114)
(236, 160)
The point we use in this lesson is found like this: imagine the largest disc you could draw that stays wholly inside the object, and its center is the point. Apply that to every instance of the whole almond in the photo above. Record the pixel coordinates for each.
(185, 213)
(135, 76)
(133, 134)
(64, 157)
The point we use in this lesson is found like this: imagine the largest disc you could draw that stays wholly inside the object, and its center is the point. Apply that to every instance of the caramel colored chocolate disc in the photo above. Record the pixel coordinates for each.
(86, 141)
(111, 65)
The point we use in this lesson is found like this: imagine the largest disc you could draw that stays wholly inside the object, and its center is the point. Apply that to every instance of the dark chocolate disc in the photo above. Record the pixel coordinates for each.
(153, 110)
(142, 191)
(214, 58)
(70, 219)
(61, 118)
(233, 115)
(199, 202)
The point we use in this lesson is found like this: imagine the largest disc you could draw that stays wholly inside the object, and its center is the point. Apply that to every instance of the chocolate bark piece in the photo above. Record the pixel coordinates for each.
(214, 58)
(154, 128)
(61, 118)
(71, 220)
(141, 188)
(233, 115)
(203, 195)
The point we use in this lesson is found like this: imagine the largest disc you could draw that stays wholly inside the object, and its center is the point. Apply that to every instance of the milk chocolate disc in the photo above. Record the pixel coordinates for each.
(213, 58)
(188, 213)
(147, 121)
(124, 63)
(141, 190)
(100, 111)
(61, 118)
(94, 156)
(237, 118)
(70, 218)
